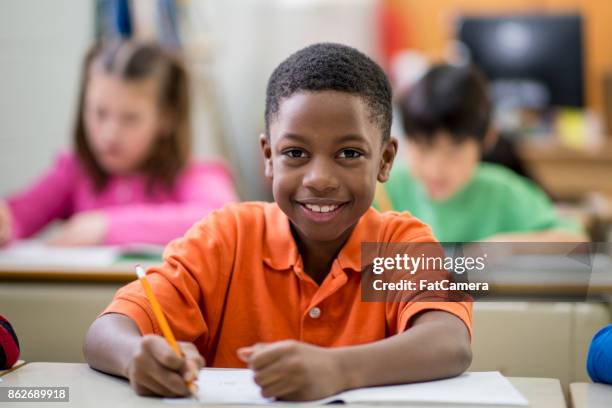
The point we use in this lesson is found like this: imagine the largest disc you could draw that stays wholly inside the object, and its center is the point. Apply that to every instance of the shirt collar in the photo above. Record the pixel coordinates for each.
(280, 250)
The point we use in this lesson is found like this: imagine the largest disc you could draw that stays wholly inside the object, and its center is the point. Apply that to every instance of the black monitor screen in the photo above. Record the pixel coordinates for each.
(536, 59)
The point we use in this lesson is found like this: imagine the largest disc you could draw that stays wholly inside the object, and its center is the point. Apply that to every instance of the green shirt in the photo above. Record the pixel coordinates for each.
(496, 200)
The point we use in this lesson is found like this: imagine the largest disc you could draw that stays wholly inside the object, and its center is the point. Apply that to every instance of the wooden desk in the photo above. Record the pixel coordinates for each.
(117, 273)
(121, 271)
(57, 305)
(15, 366)
(549, 276)
(34, 260)
(94, 389)
(569, 174)
(587, 395)
(40, 302)
(512, 283)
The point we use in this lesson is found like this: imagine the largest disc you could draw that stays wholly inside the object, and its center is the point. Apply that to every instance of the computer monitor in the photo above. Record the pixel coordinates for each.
(531, 60)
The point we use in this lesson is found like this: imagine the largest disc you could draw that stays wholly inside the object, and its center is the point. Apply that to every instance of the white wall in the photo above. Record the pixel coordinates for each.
(41, 46)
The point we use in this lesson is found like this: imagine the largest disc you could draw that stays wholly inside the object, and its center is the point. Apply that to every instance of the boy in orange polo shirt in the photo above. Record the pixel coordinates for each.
(276, 286)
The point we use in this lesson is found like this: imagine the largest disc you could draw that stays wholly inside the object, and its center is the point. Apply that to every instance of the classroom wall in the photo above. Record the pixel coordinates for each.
(41, 45)
(430, 26)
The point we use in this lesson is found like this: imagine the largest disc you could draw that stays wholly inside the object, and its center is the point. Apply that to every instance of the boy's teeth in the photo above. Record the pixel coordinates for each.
(322, 208)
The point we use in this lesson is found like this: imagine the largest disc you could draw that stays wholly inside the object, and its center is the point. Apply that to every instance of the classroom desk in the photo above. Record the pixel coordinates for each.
(551, 276)
(568, 174)
(15, 366)
(34, 260)
(119, 272)
(57, 304)
(93, 389)
(588, 395)
(509, 282)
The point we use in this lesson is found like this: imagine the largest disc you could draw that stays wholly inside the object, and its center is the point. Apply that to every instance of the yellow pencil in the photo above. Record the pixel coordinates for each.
(161, 319)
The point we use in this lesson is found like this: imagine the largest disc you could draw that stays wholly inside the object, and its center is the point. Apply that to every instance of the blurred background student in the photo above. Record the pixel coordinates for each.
(446, 117)
(129, 177)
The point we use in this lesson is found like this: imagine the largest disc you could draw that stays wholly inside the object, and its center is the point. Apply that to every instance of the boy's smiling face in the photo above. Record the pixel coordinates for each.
(324, 155)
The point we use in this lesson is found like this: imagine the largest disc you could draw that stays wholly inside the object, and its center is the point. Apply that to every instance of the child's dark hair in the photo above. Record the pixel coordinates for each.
(332, 67)
(448, 98)
(135, 61)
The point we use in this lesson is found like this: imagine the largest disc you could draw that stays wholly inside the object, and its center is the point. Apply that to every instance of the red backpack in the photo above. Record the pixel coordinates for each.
(9, 345)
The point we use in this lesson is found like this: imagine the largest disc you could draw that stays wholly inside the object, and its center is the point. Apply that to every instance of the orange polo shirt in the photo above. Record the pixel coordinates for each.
(236, 278)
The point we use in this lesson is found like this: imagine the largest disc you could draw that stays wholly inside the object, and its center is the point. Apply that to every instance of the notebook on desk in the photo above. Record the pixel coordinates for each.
(236, 387)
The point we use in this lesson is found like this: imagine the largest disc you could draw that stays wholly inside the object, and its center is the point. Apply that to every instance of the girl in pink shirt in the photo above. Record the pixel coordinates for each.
(129, 178)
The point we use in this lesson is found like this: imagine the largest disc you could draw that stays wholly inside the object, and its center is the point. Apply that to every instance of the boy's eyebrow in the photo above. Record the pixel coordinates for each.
(352, 138)
(294, 136)
(345, 138)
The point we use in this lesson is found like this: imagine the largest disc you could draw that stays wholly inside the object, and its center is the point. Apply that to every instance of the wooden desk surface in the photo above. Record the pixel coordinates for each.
(587, 395)
(33, 260)
(121, 272)
(519, 282)
(547, 150)
(566, 173)
(15, 366)
(93, 389)
(582, 282)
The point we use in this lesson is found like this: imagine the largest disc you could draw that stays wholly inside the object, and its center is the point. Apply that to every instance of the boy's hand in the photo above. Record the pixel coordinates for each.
(5, 223)
(292, 370)
(87, 228)
(155, 369)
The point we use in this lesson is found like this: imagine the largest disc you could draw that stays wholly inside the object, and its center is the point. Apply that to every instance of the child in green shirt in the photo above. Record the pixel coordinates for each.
(446, 118)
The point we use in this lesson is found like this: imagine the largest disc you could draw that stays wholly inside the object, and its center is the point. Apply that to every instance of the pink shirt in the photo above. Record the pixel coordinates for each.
(132, 214)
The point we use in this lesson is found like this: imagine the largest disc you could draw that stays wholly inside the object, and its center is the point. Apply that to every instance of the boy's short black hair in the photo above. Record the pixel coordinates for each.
(448, 98)
(332, 67)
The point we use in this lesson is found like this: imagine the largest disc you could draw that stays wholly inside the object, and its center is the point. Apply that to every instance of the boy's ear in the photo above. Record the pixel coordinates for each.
(389, 150)
(266, 149)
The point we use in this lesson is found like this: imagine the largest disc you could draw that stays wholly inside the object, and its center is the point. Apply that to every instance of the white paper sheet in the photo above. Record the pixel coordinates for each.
(218, 386)
(229, 387)
(478, 388)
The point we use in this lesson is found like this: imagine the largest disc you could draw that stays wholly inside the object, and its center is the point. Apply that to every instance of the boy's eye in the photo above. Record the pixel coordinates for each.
(295, 153)
(350, 154)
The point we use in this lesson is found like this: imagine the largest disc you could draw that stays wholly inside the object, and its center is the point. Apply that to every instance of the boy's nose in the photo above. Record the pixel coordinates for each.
(320, 177)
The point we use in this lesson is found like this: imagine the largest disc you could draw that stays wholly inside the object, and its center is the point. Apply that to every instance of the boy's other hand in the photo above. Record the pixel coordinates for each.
(5, 223)
(292, 370)
(155, 369)
(86, 228)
